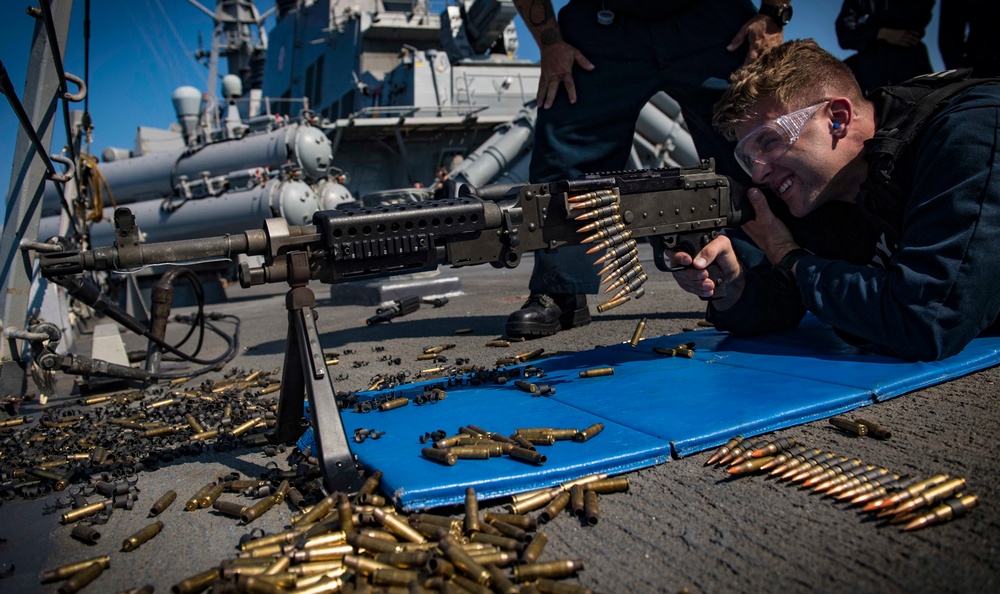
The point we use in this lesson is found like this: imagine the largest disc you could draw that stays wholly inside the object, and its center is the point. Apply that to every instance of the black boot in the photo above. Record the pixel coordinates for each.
(545, 315)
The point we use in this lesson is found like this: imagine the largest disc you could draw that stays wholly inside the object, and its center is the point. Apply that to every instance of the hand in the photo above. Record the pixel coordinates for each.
(762, 34)
(767, 231)
(695, 278)
(557, 61)
(900, 36)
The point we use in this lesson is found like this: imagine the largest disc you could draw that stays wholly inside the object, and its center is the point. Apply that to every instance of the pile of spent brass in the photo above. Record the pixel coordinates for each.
(909, 501)
(475, 443)
(111, 437)
(337, 543)
(598, 214)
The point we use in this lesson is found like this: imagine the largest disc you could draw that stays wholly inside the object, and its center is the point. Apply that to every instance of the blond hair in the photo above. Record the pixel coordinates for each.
(795, 74)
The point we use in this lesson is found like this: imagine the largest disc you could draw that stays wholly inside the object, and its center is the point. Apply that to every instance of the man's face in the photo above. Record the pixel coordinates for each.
(802, 171)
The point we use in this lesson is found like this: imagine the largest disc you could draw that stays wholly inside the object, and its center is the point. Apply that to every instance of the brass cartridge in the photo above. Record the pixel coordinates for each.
(399, 527)
(86, 533)
(444, 456)
(197, 582)
(874, 429)
(404, 559)
(552, 510)
(474, 452)
(608, 485)
(471, 523)
(552, 569)
(394, 403)
(576, 500)
(136, 540)
(499, 582)
(849, 425)
(723, 450)
(591, 511)
(247, 426)
(315, 512)
(752, 465)
(533, 550)
(229, 508)
(258, 509)
(345, 512)
(195, 501)
(210, 434)
(80, 579)
(209, 498)
(463, 561)
(527, 455)
(588, 433)
(88, 510)
(772, 448)
(949, 510)
(520, 520)
(511, 531)
(597, 372)
(65, 571)
(372, 499)
(329, 553)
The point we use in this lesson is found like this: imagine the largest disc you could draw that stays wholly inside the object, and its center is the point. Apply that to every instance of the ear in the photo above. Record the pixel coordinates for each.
(841, 116)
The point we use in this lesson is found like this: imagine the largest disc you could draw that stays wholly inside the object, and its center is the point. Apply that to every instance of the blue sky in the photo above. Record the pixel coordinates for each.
(141, 50)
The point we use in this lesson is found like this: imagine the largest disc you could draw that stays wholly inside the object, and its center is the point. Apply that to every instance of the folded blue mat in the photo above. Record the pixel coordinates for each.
(653, 407)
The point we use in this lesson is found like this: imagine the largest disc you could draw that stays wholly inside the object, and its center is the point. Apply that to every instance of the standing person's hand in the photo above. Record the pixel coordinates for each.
(761, 33)
(900, 36)
(557, 61)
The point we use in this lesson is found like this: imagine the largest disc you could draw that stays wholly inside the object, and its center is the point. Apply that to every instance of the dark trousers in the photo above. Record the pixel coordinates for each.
(683, 54)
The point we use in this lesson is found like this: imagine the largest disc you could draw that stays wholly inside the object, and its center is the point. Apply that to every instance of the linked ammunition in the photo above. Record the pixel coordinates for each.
(875, 430)
(723, 450)
(849, 426)
(136, 540)
(928, 497)
(588, 433)
(778, 445)
(597, 372)
(795, 460)
(614, 236)
(552, 569)
(905, 494)
(592, 200)
(748, 466)
(949, 510)
(604, 229)
(744, 445)
(617, 252)
(80, 579)
(629, 275)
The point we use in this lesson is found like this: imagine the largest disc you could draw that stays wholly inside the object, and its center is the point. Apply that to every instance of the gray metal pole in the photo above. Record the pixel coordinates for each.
(27, 183)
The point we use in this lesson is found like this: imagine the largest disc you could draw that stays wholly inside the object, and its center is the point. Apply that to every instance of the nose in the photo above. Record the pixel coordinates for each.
(760, 171)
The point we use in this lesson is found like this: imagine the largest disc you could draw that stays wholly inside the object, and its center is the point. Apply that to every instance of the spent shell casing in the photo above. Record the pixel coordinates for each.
(81, 579)
(65, 571)
(87, 534)
(345, 512)
(229, 508)
(637, 334)
(394, 403)
(591, 510)
(526, 386)
(252, 512)
(462, 560)
(617, 251)
(612, 303)
(874, 429)
(555, 506)
(949, 510)
(198, 582)
(533, 550)
(576, 500)
(195, 501)
(536, 501)
(588, 433)
(88, 510)
(398, 526)
(522, 521)
(136, 540)
(442, 455)
(608, 485)
(551, 569)
(849, 426)
(597, 372)
(471, 521)
(525, 455)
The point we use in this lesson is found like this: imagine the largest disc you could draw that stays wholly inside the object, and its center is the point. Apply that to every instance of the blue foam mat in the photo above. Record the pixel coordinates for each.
(653, 407)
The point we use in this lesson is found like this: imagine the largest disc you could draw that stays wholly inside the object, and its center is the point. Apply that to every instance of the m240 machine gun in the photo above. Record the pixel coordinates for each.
(676, 209)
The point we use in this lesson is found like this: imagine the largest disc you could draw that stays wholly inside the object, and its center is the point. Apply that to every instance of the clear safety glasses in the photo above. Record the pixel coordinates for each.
(769, 142)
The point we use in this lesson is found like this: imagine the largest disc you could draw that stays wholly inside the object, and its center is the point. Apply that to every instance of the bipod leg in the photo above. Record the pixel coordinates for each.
(305, 373)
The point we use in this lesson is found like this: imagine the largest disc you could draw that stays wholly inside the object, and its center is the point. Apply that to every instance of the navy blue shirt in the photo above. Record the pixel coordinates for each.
(919, 288)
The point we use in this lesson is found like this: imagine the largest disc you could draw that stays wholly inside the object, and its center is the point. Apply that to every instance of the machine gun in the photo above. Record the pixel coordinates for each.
(676, 208)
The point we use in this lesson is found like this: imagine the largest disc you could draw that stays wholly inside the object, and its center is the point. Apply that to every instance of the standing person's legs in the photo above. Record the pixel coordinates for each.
(594, 134)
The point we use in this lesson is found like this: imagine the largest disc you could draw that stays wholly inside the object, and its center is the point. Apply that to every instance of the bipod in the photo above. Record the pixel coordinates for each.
(304, 372)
